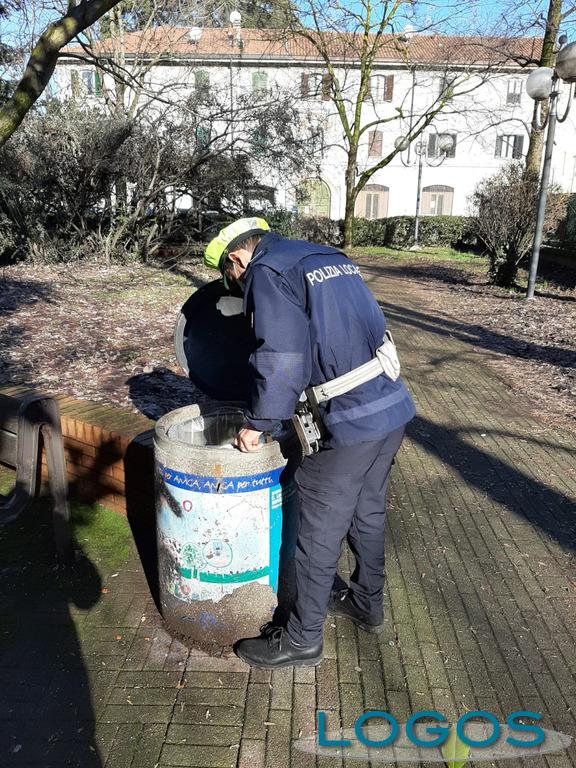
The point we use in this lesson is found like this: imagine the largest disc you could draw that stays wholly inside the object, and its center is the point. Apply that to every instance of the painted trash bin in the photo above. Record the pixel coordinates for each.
(226, 525)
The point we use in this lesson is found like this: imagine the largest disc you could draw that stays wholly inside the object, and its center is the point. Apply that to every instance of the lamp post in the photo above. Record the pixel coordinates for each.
(235, 39)
(541, 85)
(445, 143)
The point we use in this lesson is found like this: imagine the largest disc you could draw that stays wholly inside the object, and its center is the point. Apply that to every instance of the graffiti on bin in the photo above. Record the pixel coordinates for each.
(241, 484)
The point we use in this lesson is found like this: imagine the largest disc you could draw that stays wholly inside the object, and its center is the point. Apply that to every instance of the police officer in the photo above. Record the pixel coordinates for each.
(314, 320)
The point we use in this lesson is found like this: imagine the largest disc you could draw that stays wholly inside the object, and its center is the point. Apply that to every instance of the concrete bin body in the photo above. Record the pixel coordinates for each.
(226, 525)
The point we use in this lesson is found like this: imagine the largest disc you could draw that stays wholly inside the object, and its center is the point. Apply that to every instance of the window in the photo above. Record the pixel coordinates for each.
(260, 197)
(313, 85)
(381, 88)
(86, 82)
(445, 84)
(509, 146)
(201, 84)
(437, 200)
(435, 141)
(203, 137)
(259, 83)
(372, 202)
(326, 87)
(310, 85)
(514, 95)
(375, 144)
(313, 198)
(258, 141)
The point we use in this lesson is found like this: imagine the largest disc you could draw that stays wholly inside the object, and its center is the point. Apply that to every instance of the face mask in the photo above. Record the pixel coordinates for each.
(238, 279)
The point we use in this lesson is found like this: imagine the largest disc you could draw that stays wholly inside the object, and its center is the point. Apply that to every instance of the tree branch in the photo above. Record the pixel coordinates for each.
(42, 61)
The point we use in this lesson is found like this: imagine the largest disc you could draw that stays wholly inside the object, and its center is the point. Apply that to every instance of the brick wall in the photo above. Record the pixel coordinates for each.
(109, 453)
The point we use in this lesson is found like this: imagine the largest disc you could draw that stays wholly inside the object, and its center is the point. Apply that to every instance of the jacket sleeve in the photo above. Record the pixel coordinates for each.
(281, 365)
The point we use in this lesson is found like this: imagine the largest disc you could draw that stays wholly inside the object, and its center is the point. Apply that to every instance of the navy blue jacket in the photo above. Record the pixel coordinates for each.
(315, 319)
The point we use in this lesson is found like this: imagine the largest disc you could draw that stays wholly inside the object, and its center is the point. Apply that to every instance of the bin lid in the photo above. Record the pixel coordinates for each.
(213, 345)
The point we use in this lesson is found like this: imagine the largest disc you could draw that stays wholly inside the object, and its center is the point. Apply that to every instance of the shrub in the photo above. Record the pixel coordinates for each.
(505, 220)
(450, 231)
(369, 231)
(319, 229)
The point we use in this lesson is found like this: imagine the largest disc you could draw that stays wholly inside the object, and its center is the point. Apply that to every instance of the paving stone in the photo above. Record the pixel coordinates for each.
(199, 756)
(277, 737)
(218, 735)
(116, 713)
(304, 711)
(252, 753)
(281, 688)
(327, 685)
(256, 712)
(202, 714)
(150, 744)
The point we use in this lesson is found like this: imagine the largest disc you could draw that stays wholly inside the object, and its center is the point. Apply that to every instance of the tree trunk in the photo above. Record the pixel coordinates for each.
(350, 198)
(547, 59)
(42, 62)
(119, 57)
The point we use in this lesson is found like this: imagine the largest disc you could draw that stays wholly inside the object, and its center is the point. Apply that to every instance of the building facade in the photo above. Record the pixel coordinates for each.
(485, 124)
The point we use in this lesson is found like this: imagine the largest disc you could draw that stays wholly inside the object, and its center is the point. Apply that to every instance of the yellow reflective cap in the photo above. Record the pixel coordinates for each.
(237, 231)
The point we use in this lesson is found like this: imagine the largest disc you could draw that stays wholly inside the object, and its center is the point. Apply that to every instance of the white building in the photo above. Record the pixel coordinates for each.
(488, 122)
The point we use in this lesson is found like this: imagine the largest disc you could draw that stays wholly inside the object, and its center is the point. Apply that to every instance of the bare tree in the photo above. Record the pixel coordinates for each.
(42, 62)
(351, 40)
(554, 19)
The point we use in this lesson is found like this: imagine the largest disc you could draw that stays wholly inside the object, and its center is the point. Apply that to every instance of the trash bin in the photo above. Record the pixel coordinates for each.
(226, 525)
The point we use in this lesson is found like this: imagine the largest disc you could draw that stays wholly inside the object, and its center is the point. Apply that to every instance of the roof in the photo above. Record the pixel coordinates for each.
(217, 43)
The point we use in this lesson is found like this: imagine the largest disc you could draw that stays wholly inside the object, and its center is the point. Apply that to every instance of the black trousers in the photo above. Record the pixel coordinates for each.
(342, 494)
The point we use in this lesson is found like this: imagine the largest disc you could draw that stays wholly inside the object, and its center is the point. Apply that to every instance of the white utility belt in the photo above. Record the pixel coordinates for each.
(385, 361)
(307, 420)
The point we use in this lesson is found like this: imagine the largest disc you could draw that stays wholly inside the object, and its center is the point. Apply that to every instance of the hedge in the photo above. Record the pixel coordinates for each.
(396, 231)
(449, 231)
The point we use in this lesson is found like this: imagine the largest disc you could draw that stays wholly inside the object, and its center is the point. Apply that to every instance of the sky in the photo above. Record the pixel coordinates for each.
(443, 16)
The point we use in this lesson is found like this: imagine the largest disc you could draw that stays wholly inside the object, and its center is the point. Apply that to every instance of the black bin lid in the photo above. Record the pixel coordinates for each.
(214, 348)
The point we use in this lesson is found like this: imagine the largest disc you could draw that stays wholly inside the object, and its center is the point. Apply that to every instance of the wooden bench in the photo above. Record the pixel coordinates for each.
(22, 421)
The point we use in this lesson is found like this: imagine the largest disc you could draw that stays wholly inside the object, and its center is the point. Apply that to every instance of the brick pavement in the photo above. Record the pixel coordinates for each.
(480, 609)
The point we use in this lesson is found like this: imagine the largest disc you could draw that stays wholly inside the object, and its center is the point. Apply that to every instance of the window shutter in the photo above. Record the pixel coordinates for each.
(203, 137)
(305, 85)
(375, 144)
(432, 145)
(202, 84)
(452, 151)
(498, 151)
(97, 84)
(326, 87)
(389, 88)
(259, 83)
(518, 147)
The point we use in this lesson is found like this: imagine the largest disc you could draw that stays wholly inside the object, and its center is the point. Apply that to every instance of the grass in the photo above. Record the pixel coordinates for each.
(426, 254)
(100, 535)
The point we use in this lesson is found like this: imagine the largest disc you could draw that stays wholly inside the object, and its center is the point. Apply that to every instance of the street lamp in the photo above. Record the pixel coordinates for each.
(195, 35)
(445, 143)
(542, 85)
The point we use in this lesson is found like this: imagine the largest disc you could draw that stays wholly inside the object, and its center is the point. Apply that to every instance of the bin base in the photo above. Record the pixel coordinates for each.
(215, 626)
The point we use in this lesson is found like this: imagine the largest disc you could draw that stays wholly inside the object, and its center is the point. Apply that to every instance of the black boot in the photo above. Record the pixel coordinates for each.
(342, 604)
(274, 649)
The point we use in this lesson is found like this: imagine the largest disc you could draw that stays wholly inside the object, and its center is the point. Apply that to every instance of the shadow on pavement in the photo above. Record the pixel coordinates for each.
(479, 336)
(501, 482)
(45, 697)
